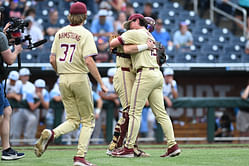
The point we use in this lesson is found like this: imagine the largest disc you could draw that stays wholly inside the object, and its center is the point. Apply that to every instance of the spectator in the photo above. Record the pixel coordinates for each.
(102, 46)
(111, 95)
(101, 26)
(238, 14)
(118, 24)
(32, 30)
(13, 10)
(129, 9)
(106, 6)
(247, 47)
(13, 88)
(53, 25)
(148, 11)
(117, 5)
(27, 119)
(32, 12)
(161, 35)
(169, 87)
(242, 119)
(223, 126)
(13, 94)
(27, 86)
(182, 37)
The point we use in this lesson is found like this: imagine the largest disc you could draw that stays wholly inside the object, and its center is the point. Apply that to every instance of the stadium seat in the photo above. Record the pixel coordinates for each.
(207, 58)
(233, 48)
(244, 58)
(200, 40)
(238, 40)
(211, 48)
(185, 57)
(201, 31)
(222, 32)
(230, 58)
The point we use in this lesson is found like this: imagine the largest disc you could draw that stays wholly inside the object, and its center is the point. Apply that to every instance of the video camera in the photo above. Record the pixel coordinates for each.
(15, 30)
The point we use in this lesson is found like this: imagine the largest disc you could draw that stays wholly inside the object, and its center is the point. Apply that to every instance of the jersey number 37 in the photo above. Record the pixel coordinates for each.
(68, 50)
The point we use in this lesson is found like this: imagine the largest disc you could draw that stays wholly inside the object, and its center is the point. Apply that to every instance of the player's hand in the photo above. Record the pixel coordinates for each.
(6, 27)
(104, 88)
(96, 116)
(150, 44)
(18, 48)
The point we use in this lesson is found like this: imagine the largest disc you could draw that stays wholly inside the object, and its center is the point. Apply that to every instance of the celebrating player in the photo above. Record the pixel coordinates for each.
(147, 85)
(123, 82)
(71, 57)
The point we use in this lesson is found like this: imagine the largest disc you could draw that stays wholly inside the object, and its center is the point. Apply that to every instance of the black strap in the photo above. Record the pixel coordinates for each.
(5, 83)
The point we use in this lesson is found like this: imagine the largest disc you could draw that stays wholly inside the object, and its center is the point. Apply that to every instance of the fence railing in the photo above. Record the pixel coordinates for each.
(213, 9)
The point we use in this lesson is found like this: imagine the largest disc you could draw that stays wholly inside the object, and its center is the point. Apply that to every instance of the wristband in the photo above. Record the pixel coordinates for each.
(97, 110)
(142, 47)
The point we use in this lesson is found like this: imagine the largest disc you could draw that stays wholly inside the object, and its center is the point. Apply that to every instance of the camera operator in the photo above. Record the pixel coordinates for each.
(8, 57)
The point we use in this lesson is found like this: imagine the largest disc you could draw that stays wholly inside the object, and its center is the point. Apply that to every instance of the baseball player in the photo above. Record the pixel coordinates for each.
(147, 85)
(123, 82)
(71, 57)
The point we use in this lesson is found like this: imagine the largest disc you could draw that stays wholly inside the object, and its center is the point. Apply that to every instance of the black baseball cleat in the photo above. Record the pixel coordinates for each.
(11, 154)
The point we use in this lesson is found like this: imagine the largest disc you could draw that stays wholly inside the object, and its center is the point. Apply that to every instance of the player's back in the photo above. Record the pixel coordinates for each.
(71, 45)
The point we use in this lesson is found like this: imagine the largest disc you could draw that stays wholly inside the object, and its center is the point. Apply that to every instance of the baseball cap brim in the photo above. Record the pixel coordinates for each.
(127, 24)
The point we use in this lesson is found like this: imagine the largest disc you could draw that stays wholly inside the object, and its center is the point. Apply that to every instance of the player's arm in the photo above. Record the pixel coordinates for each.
(132, 49)
(95, 73)
(245, 94)
(52, 60)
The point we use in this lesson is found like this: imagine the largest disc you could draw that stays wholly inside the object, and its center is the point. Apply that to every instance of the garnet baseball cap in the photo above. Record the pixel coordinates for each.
(78, 8)
(131, 18)
(40, 83)
(14, 75)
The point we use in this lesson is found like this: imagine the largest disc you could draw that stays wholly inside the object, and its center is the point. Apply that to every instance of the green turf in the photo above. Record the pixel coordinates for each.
(192, 155)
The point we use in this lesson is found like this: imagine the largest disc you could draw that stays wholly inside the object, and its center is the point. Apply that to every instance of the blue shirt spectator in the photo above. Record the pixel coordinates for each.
(182, 37)
(160, 35)
(101, 26)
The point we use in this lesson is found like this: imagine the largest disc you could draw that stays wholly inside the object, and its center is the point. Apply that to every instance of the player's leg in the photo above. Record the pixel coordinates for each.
(84, 102)
(7, 153)
(71, 123)
(157, 106)
(123, 82)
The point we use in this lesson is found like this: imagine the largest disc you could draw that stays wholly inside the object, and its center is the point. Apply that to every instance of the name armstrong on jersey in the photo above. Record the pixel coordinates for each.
(68, 35)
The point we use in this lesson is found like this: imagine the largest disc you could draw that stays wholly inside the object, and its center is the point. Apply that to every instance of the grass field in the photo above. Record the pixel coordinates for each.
(192, 155)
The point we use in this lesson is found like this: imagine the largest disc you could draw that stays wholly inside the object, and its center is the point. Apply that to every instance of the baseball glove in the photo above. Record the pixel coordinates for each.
(161, 56)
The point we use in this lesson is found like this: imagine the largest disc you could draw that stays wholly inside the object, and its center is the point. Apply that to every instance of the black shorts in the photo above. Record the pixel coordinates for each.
(239, 13)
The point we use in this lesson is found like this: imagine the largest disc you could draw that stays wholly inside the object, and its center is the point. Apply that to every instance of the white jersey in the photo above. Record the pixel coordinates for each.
(109, 85)
(27, 88)
(167, 89)
(17, 88)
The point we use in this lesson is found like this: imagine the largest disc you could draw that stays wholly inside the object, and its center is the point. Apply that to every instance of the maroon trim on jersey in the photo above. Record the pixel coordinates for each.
(120, 40)
(133, 109)
(90, 55)
(125, 87)
(74, 24)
